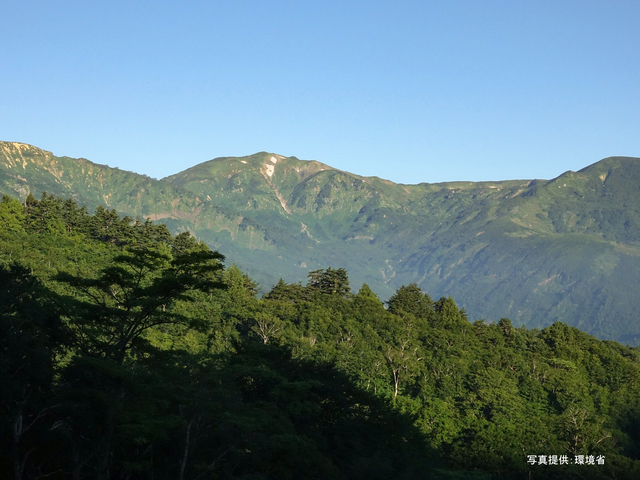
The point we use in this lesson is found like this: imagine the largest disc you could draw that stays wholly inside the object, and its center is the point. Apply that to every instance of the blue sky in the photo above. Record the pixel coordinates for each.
(414, 92)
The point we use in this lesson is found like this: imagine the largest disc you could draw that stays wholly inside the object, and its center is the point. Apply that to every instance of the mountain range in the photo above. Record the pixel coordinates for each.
(535, 251)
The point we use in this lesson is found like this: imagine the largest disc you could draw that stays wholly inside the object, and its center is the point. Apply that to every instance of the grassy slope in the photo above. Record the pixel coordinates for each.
(535, 251)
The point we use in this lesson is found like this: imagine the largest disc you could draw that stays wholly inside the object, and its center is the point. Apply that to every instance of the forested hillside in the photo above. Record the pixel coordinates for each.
(129, 352)
(537, 251)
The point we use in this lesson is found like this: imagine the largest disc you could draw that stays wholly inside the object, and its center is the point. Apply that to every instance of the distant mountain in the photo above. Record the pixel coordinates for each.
(536, 251)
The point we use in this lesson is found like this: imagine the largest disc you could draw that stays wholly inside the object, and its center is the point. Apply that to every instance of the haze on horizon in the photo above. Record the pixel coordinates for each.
(408, 91)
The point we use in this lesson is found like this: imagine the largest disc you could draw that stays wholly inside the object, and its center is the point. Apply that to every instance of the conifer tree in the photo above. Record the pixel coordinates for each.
(44, 215)
(290, 292)
(329, 282)
(411, 299)
(12, 217)
(76, 219)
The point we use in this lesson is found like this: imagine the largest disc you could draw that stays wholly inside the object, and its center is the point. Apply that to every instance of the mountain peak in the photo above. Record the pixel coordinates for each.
(610, 163)
(20, 149)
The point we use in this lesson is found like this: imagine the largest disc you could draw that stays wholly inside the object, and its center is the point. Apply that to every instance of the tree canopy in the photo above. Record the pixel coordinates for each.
(127, 352)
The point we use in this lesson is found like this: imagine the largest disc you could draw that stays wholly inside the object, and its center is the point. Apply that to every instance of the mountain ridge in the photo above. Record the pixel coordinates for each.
(536, 250)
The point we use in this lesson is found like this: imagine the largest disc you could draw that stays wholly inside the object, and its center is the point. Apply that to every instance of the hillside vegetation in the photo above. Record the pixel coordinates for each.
(127, 352)
(537, 251)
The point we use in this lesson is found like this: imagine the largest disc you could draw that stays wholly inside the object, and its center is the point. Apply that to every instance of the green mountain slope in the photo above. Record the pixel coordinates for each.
(25, 169)
(536, 251)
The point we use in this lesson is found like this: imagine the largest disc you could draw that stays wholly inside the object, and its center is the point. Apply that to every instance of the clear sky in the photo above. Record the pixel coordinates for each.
(424, 91)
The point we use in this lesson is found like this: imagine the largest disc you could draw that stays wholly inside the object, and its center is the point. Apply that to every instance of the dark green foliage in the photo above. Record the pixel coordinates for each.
(12, 217)
(44, 215)
(30, 338)
(75, 218)
(329, 282)
(366, 292)
(129, 353)
(410, 299)
(107, 226)
(281, 418)
(538, 251)
(287, 292)
(133, 295)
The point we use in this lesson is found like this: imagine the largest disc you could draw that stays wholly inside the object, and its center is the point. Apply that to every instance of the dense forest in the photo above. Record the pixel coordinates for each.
(130, 353)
